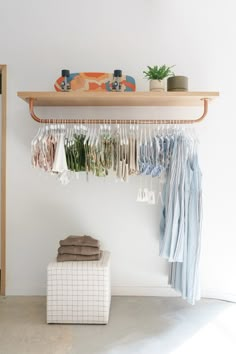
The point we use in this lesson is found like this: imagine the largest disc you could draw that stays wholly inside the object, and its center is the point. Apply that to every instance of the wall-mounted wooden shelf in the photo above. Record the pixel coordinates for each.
(108, 99)
(117, 98)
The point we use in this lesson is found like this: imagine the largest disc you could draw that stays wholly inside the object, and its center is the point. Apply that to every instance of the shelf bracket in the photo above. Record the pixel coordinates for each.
(119, 121)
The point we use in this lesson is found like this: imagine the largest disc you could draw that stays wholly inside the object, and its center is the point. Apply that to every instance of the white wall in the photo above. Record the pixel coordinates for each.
(41, 38)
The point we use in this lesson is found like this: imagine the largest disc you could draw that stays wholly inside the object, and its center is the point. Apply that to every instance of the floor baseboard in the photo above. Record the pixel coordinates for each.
(215, 294)
(120, 290)
(143, 291)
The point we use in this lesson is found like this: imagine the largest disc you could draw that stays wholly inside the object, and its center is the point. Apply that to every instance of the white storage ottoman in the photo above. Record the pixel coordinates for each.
(79, 292)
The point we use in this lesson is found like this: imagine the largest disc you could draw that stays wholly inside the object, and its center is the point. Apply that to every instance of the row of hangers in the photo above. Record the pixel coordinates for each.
(99, 148)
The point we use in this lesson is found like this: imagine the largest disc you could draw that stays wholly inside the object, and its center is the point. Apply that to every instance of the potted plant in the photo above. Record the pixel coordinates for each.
(156, 75)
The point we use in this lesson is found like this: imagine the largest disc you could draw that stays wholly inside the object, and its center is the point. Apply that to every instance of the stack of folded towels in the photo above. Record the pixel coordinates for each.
(79, 248)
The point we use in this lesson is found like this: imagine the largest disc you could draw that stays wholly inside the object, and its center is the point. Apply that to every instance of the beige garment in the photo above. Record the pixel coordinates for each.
(83, 250)
(80, 241)
(78, 257)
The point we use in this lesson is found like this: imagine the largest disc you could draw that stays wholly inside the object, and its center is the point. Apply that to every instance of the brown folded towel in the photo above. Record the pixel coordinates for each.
(78, 257)
(83, 250)
(80, 241)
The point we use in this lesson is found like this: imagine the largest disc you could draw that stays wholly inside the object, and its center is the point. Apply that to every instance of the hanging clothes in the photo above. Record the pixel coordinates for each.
(60, 163)
(184, 276)
(180, 228)
(162, 154)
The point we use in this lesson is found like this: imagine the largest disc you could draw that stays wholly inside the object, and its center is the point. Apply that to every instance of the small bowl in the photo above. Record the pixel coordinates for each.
(177, 83)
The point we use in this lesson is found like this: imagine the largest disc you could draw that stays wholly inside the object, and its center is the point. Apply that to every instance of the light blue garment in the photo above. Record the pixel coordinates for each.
(178, 275)
(151, 158)
(180, 228)
(172, 227)
(167, 213)
(178, 231)
(184, 276)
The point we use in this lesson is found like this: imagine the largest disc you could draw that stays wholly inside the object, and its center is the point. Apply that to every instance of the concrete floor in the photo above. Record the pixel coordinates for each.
(138, 325)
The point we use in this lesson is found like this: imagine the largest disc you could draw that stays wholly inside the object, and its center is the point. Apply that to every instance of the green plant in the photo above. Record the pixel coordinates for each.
(158, 73)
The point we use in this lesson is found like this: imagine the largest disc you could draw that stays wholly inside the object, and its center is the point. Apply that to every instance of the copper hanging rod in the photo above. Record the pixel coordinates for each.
(118, 121)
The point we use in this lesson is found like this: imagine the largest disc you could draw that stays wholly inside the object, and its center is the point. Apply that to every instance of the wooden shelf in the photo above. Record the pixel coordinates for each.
(117, 98)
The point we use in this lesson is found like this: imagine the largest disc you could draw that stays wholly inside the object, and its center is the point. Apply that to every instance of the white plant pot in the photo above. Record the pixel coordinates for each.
(157, 85)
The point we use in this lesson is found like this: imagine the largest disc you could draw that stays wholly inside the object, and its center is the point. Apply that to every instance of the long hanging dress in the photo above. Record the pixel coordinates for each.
(180, 229)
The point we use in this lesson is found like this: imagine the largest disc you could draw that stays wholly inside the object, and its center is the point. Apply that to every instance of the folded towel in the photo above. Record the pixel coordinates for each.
(83, 250)
(78, 257)
(80, 241)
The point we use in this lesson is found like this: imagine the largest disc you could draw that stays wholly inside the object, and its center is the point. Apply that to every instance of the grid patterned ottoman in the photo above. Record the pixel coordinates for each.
(79, 292)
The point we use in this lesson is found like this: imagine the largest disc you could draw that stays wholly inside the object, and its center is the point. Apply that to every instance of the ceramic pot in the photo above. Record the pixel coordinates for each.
(177, 83)
(156, 85)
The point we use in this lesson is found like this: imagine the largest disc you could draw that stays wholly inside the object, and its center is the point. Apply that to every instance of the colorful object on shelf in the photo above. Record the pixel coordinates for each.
(117, 80)
(65, 85)
(90, 81)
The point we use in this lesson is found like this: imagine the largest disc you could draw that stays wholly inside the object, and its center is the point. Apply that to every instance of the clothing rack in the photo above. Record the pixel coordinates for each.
(119, 121)
(171, 158)
(118, 99)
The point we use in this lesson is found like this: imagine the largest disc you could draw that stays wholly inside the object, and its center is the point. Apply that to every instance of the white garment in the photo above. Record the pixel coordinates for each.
(60, 164)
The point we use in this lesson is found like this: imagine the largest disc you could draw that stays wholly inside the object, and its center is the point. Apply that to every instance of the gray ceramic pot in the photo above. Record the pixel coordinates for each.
(177, 83)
